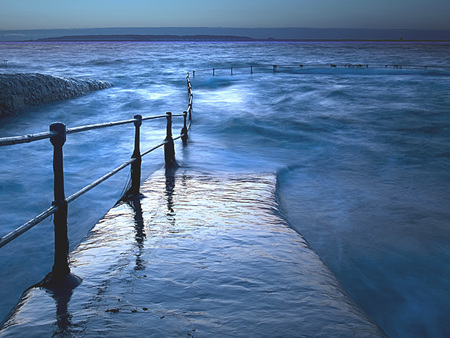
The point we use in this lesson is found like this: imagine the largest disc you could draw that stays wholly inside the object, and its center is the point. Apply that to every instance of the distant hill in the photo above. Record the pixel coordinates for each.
(135, 37)
(221, 34)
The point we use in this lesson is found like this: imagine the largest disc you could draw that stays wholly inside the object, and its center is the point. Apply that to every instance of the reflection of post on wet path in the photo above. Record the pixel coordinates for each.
(61, 291)
(170, 188)
(135, 204)
(63, 317)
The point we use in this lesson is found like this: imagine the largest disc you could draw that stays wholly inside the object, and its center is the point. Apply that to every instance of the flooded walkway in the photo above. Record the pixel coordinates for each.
(197, 256)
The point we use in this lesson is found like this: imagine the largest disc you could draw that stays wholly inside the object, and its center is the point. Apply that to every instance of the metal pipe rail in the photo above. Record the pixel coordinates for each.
(152, 149)
(27, 226)
(84, 190)
(98, 126)
(275, 68)
(191, 97)
(57, 135)
(34, 137)
(5, 141)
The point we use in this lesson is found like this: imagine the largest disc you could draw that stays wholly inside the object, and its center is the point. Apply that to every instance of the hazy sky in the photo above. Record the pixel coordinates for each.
(43, 14)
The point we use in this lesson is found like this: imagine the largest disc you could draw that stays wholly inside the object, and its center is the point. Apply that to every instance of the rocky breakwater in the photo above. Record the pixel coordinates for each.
(19, 91)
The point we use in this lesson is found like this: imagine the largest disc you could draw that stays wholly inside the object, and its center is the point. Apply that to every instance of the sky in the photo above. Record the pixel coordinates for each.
(372, 14)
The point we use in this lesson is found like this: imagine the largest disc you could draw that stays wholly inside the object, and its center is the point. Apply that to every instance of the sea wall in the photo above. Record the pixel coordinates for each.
(196, 255)
(19, 91)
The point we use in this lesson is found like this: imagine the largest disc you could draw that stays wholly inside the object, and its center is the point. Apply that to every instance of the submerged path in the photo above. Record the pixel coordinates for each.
(196, 256)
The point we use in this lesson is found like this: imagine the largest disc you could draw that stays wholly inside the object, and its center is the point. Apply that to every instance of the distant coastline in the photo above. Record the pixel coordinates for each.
(222, 34)
(200, 38)
(138, 37)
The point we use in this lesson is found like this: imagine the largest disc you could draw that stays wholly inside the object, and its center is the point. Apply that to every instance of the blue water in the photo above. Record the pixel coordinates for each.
(361, 155)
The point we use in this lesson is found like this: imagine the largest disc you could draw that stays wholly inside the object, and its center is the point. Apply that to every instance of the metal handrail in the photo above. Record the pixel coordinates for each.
(89, 187)
(98, 126)
(57, 135)
(27, 226)
(84, 190)
(152, 149)
(321, 65)
(4, 141)
(35, 137)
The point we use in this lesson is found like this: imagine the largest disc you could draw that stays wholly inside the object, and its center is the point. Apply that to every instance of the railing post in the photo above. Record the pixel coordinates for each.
(190, 105)
(61, 263)
(169, 147)
(136, 165)
(231, 70)
(251, 69)
(213, 71)
(274, 68)
(184, 131)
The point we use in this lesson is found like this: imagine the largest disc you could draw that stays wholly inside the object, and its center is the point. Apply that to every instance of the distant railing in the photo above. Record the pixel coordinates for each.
(5, 63)
(276, 68)
(59, 208)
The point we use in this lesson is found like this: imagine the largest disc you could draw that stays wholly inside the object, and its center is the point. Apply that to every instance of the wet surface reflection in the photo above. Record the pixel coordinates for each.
(135, 204)
(197, 255)
(62, 292)
(170, 188)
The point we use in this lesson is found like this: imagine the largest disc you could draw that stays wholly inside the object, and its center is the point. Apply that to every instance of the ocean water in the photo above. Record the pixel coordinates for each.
(361, 154)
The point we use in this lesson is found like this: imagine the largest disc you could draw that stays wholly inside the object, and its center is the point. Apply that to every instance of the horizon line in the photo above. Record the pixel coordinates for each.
(258, 33)
(224, 27)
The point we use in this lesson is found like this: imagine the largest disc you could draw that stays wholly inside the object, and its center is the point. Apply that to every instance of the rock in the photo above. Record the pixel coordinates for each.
(19, 91)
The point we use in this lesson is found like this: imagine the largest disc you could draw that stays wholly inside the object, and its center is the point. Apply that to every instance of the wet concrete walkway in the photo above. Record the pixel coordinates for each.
(197, 256)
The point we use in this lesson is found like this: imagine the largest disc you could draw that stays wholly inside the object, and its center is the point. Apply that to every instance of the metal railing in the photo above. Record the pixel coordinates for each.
(57, 135)
(275, 68)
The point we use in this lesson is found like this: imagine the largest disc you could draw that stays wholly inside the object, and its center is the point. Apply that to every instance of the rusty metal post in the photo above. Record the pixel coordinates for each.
(61, 261)
(184, 131)
(136, 165)
(169, 147)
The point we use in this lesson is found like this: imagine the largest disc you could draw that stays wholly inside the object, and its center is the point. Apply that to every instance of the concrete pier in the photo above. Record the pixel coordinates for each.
(196, 256)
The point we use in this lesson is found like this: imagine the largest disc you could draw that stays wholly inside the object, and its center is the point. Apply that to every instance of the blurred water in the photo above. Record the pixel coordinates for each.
(361, 154)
